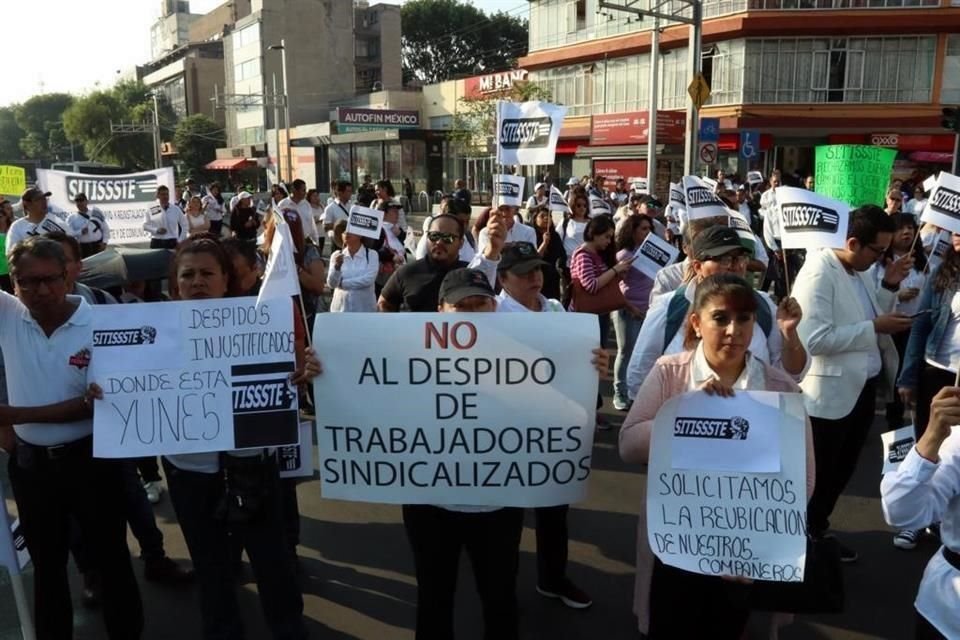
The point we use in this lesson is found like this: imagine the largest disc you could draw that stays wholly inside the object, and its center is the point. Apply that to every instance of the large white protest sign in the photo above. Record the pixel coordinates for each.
(732, 523)
(280, 279)
(654, 254)
(365, 222)
(701, 200)
(809, 220)
(943, 206)
(8, 550)
(125, 200)
(193, 376)
(527, 132)
(296, 460)
(477, 409)
(508, 190)
(557, 203)
(599, 206)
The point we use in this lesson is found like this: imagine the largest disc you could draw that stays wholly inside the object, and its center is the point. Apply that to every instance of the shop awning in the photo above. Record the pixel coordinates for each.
(229, 164)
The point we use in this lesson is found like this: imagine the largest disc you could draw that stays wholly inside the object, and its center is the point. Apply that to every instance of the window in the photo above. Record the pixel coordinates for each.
(950, 91)
(247, 35)
(250, 135)
(576, 15)
(247, 70)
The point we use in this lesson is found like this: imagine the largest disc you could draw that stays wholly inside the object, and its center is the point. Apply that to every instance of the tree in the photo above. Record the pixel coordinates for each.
(443, 39)
(197, 138)
(10, 135)
(40, 120)
(475, 121)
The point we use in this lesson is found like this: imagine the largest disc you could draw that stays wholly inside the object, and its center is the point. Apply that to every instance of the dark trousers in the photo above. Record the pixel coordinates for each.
(492, 541)
(195, 497)
(604, 321)
(926, 631)
(691, 605)
(215, 227)
(291, 514)
(149, 469)
(51, 492)
(837, 445)
(552, 538)
(895, 409)
(157, 243)
(932, 379)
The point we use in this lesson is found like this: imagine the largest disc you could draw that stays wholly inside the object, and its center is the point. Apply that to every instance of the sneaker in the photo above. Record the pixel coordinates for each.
(154, 489)
(90, 593)
(906, 539)
(620, 404)
(934, 531)
(569, 594)
(165, 571)
(847, 555)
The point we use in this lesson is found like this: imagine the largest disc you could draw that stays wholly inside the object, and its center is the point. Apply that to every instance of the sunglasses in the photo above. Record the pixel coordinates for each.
(440, 236)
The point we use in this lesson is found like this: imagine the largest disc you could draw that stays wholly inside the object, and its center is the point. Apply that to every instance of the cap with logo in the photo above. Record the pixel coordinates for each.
(33, 193)
(715, 241)
(520, 258)
(463, 283)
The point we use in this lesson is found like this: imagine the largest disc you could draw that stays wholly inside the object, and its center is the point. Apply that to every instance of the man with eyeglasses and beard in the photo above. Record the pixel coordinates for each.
(416, 286)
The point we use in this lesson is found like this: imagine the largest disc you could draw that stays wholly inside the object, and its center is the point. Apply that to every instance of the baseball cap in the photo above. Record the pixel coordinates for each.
(463, 283)
(538, 186)
(33, 193)
(519, 258)
(572, 182)
(716, 241)
(390, 204)
(243, 195)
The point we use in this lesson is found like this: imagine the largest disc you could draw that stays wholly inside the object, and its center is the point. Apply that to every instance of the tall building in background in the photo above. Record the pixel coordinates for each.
(377, 33)
(172, 29)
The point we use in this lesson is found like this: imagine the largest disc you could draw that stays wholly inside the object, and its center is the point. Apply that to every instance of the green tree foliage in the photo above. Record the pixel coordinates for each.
(444, 39)
(10, 136)
(40, 120)
(475, 122)
(197, 138)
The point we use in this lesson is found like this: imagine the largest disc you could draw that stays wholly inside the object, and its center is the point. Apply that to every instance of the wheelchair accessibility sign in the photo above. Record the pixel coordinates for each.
(749, 144)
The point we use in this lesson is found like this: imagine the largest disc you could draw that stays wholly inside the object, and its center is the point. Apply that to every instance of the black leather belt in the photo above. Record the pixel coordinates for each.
(952, 557)
(81, 447)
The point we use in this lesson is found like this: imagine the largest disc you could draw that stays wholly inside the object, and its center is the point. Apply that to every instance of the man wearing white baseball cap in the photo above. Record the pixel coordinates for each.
(539, 196)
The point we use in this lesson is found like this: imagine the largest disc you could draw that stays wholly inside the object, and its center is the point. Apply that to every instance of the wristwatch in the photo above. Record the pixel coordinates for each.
(890, 287)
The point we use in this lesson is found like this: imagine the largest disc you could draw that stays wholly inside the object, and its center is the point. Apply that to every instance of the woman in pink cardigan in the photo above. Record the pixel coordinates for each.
(718, 362)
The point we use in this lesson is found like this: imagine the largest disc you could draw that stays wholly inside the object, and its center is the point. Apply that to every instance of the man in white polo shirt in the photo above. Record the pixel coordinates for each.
(38, 221)
(165, 222)
(297, 201)
(45, 336)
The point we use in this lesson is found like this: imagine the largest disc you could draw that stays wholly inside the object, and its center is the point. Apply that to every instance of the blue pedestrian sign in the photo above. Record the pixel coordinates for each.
(749, 145)
(709, 130)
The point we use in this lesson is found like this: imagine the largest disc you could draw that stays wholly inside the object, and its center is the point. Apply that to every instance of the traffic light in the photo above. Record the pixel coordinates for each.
(951, 119)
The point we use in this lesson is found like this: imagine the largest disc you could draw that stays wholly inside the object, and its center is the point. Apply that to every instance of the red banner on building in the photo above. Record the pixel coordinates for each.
(616, 169)
(632, 127)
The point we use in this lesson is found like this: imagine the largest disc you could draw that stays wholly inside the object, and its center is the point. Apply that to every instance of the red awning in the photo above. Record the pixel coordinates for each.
(568, 147)
(228, 164)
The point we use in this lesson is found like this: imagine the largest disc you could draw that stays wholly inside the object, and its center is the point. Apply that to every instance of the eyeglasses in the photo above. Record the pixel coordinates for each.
(33, 283)
(728, 261)
(440, 236)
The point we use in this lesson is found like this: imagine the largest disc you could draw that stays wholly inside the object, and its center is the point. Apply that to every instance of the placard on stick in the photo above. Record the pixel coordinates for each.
(943, 206)
(653, 255)
(365, 222)
(508, 190)
(811, 221)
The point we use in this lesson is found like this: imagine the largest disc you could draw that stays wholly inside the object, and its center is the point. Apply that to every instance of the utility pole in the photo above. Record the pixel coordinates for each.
(276, 125)
(282, 48)
(694, 65)
(652, 109)
(158, 160)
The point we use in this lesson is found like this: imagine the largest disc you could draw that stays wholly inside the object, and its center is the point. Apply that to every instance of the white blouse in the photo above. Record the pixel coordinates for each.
(353, 282)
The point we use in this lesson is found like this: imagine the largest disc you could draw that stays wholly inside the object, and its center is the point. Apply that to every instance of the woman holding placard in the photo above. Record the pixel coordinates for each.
(353, 272)
(719, 330)
(636, 287)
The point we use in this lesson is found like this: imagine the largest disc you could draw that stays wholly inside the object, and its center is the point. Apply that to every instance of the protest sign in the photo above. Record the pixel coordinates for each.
(599, 206)
(8, 549)
(654, 254)
(810, 221)
(739, 224)
(193, 376)
(296, 460)
(280, 279)
(733, 523)
(754, 177)
(676, 194)
(639, 185)
(896, 446)
(929, 183)
(365, 222)
(557, 203)
(701, 199)
(125, 200)
(853, 173)
(508, 190)
(477, 409)
(527, 132)
(943, 206)
(13, 180)
(941, 243)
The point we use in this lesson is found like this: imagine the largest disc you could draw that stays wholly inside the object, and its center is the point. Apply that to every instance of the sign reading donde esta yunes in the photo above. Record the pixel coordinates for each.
(191, 377)
(726, 490)
(475, 409)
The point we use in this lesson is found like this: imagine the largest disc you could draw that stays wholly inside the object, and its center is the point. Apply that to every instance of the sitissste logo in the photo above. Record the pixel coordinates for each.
(525, 133)
(735, 428)
(125, 337)
(805, 216)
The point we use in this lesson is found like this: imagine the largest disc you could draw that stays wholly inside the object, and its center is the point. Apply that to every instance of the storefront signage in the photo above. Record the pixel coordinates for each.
(885, 139)
(633, 127)
(493, 83)
(617, 169)
(351, 120)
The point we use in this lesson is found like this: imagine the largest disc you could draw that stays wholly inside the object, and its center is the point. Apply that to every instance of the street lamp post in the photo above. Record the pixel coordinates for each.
(282, 48)
(156, 132)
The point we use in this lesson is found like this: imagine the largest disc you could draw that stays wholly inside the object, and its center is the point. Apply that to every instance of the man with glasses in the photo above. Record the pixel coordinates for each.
(894, 201)
(717, 249)
(38, 221)
(416, 286)
(847, 324)
(45, 337)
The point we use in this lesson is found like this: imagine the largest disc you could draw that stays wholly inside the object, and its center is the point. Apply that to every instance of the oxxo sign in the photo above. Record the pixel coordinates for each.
(885, 139)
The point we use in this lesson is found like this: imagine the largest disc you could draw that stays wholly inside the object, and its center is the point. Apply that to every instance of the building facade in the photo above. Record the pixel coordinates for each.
(377, 47)
(172, 29)
(799, 73)
(188, 77)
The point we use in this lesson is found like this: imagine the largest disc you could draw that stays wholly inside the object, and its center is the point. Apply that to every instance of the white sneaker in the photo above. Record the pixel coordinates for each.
(906, 539)
(154, 490)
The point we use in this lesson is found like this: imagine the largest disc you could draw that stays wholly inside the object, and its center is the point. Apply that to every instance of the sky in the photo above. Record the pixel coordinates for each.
(77, 47)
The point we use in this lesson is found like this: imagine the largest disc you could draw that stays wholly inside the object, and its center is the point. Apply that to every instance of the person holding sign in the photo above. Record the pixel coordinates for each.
(716, 250)
(719, 330)
(847, 324)
(516, 230)
(926, 488)
(550, 248)
(37, 221)
(88, 227)
(163, 222)
(194, 218)
(636, 287)
(311, 270)
(353, 272)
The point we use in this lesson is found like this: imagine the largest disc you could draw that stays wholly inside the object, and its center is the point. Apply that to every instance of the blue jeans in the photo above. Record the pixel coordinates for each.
(627, 328)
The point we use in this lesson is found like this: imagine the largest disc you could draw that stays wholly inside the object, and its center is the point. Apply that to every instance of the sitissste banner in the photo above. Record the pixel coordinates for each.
(484, 409)
(125, 200)
(527, 132)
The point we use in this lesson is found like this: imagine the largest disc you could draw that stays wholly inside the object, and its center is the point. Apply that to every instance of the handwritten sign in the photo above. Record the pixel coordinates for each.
(854, 174)
(189, 377)
(654, 254)
(365, 222)
(13, 180)
(733, 523)
(701, 199)
(811, 221)
(508, 190)
(943, 206)
(296, 460)
(436, 409)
